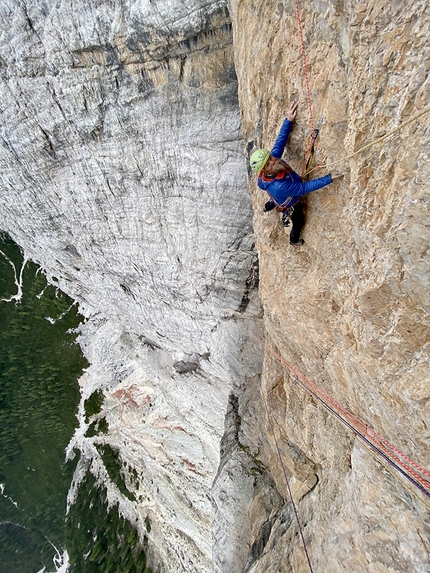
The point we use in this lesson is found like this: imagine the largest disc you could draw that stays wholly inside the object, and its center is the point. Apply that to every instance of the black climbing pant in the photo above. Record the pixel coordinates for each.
(298, 220)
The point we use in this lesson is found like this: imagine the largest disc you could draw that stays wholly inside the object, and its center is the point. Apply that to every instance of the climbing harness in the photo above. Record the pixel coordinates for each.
(286, 216)
(414, 473)
(286, 211)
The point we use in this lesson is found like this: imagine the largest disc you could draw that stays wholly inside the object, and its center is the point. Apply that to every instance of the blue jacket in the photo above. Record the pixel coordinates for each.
(286, 188)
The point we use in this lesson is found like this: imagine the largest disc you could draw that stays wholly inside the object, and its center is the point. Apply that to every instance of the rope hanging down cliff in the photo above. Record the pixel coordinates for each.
(417, 475)
(314, 134)
(290, 493)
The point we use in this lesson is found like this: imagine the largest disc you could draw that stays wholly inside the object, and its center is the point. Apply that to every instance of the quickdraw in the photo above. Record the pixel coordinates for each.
(311, 157)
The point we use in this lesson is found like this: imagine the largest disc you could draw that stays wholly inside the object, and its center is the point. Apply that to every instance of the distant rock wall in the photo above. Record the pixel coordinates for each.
(350, 309)
(122, 174)
(121, 139)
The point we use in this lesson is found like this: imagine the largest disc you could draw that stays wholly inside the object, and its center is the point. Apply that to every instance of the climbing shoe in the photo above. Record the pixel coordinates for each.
(299, 243)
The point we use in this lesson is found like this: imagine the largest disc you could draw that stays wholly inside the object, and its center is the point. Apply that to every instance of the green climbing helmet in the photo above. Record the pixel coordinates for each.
(259, 159)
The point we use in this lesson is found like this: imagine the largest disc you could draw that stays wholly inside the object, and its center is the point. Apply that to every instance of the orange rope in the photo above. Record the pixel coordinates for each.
(398, 452)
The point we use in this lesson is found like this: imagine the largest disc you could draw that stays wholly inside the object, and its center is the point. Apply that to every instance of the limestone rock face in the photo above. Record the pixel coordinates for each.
(124, 135)
(350, 309)
(123, 149)
(122, 174)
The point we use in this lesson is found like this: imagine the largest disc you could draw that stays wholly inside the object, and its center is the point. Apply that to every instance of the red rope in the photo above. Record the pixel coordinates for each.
(305, 67)
(398, 452)
(357, 425)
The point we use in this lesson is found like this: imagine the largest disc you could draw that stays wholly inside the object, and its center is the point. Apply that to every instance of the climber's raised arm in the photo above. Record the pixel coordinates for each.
(284, 186)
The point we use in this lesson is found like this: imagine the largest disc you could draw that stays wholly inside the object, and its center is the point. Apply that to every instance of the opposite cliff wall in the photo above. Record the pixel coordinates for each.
(120, 135)
(122, 174)
(350, 309)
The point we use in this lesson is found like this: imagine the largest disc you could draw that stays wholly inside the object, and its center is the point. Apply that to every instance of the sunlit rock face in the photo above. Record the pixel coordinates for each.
(350, 309)
(123, 173)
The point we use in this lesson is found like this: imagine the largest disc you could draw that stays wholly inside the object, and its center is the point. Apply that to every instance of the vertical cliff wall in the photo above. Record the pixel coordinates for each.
(350, 309)
(123, 173)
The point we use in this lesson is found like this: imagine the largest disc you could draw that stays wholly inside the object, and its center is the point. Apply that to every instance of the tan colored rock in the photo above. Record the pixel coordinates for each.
(350, 309)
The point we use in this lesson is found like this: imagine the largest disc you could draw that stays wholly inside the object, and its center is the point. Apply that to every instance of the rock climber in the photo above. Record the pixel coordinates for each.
(285, 187)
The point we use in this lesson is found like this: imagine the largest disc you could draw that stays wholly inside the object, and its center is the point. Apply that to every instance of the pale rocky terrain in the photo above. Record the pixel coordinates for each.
(124, 137)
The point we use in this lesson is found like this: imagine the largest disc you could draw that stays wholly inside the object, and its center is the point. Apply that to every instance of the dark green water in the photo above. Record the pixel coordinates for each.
(40, 364)
(39, 367)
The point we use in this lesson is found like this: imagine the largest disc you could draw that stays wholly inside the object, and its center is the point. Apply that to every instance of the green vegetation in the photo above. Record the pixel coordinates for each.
(103, 426)
(20, 549)
(93, 404)
(134, 476)
(39, 396)
(97, 427)
(109, 541)
(113, 465)
(148, 525)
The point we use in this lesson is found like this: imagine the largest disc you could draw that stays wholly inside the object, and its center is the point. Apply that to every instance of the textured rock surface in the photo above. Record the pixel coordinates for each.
(351, 309)
(123, 175)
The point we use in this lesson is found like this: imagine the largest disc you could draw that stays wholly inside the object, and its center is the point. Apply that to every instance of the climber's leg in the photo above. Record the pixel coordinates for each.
(298, 220)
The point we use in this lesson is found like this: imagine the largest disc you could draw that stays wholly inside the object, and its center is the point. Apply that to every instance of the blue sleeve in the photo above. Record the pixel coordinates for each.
(309, 186)
(289, 188)
(281, 140)
(283, 189)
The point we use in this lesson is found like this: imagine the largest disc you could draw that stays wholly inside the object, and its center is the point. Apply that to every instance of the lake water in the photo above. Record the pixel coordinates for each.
(40, 364)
